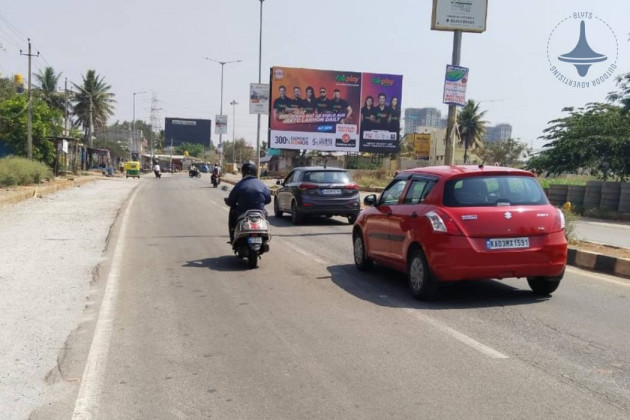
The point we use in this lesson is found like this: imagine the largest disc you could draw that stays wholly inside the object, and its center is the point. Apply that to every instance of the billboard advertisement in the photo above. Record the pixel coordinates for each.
(455, 83)
(330, 110)
(422, 145)
(258, 98)
(186, 130)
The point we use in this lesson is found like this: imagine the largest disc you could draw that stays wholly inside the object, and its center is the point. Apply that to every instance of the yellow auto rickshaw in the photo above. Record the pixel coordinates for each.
(132, 169)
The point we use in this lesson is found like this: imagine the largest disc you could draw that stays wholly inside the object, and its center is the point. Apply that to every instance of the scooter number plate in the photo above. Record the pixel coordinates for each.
(254, 240)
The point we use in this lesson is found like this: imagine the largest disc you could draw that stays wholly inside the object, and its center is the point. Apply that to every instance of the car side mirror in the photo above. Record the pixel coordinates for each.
(370, 200)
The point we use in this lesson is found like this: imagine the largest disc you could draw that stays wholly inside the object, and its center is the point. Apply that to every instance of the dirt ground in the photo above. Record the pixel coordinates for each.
(603, 249)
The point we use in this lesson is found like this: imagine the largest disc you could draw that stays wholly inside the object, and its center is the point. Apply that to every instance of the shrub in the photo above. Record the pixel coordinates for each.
(20, 171)
(569, 227)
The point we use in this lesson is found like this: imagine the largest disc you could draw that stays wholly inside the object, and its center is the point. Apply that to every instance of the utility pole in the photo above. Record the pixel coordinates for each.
(449, 152)
(91, 128)
(259, 78)
(154, 117)
(233, 103)
(65, 108)
(29, 117)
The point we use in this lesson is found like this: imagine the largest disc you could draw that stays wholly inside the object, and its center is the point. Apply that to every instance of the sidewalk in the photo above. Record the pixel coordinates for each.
(601, 263)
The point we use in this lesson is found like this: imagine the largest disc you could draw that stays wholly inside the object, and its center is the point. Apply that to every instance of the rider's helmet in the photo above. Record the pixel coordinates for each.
(249, 169)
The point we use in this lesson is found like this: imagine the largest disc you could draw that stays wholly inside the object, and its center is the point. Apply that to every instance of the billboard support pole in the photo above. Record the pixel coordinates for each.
(449, 153)
(259, 81)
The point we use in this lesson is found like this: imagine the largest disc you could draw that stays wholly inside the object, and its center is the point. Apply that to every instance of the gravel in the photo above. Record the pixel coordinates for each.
(50, 248)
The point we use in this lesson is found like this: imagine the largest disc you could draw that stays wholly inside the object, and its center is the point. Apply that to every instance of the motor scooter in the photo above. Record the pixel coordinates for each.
(194, 173)
(251, 236)
(216, 180)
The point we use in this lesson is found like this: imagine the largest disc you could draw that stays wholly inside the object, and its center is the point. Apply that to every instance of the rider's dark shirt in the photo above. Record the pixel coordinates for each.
(249, 193)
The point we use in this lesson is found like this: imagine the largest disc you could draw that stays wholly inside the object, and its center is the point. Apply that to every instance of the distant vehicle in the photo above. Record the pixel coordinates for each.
(441, 224)
(317, 191)
(204, 168)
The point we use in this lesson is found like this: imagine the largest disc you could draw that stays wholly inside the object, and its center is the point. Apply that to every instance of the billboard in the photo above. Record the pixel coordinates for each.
(422, 145)
(335, 111)
(455, 83)
(220, 124)
(186, 130)
(258, 98)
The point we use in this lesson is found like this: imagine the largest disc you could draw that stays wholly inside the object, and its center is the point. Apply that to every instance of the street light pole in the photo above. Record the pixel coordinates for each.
(259, 80)
(223, 63)
(233, 103)
(133, 123)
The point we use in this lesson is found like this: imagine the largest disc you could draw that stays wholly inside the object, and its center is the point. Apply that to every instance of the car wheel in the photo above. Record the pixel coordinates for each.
(296, 217)
(544, 286)
(352, 219)
(276, 208)
(422, 284)
(361, 260)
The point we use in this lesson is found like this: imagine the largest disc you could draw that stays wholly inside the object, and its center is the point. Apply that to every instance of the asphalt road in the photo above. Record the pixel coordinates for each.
(603, 232)
(186, 331)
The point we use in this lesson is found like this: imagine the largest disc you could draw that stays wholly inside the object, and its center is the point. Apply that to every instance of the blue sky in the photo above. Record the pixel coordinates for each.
(158, 46)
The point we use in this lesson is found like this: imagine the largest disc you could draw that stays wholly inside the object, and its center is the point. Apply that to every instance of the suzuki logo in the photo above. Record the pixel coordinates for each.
(508, 215)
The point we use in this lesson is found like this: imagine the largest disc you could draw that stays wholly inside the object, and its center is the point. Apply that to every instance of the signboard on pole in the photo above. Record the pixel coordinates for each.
(422, 145)
(258, 98)
(220, 124)
(459, 15)
(455, 84)
(335, 111)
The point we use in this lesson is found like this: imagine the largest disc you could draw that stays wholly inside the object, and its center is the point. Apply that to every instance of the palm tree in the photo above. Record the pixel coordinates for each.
(471, 127)
(48, 81)
(94, 100)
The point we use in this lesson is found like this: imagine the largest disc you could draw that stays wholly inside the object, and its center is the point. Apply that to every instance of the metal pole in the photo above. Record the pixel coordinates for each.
(259, 80)
(233, 103)
(221, 105)
(29, 118)
(449, 152)
(133, 125)
(65, 108)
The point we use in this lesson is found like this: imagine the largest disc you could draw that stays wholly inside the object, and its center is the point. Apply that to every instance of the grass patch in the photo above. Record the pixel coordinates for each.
(20, 171)
(565, 180)
(366, 179)
(569, 227)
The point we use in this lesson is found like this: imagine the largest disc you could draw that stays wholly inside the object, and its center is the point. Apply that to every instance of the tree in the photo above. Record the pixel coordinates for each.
(622, 97)
(193, 149)
(47, 122)
(504, 153)
(243, 151)
(48, 81)
(471, 127)
(7, 88)
(96, 93)
(595, 138)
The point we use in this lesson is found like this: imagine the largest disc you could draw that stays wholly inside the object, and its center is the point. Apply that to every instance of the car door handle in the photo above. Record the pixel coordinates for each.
(413, 215)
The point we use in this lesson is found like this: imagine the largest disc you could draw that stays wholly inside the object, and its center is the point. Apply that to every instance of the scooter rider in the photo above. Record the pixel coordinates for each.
(249, 193)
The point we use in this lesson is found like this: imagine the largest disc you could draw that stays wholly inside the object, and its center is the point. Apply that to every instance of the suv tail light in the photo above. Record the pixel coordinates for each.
(304, 186)
(352, 186)
(442, 223)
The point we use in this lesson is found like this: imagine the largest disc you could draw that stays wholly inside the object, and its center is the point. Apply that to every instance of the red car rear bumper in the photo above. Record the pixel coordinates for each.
(453, 258)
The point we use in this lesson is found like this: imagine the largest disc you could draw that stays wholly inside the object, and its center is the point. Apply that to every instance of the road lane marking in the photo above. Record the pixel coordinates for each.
(624, 283)
(87, 402)
(461, 337)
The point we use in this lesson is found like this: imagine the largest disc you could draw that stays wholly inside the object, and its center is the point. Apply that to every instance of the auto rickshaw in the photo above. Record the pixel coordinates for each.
(132, 169)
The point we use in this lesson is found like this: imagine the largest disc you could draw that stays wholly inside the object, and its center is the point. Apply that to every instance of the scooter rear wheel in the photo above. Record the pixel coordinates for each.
(252, 259)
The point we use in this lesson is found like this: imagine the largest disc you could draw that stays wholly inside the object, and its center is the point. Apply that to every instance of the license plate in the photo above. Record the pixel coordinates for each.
(254, 240)
(329, 191)
(507, 243)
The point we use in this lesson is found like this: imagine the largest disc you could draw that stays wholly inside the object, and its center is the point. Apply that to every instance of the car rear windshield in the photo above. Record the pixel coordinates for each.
(327, 177)
(507, 190)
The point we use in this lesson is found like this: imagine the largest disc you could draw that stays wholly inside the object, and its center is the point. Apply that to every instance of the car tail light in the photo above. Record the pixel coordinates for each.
(352, 186)
(304, 186)
(442, 223)
(559, 221)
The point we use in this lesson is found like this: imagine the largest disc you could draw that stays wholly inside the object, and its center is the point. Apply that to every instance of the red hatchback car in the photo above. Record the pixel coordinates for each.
(450, 223)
